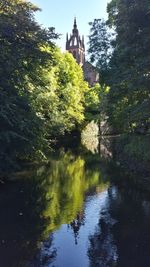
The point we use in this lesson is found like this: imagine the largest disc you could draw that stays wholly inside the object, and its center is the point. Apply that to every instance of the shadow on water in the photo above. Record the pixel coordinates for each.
(76, 211)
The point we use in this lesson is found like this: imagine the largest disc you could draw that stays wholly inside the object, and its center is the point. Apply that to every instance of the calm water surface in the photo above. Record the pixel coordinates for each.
(75, 211)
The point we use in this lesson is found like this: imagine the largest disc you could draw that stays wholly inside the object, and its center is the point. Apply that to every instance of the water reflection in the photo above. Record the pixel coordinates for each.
(76, 225)
(66, 184)
(69, 213)
(103, 249)
(39, 202)
(70, 252)
(123, 235)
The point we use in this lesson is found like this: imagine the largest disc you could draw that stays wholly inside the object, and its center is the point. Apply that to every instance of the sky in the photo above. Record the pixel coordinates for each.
(60, 14)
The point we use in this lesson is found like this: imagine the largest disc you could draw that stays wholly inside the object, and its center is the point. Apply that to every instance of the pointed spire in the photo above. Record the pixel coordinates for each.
(83, 41)
(75, 23)
(75, 29)
(67, 37)
(77, 43)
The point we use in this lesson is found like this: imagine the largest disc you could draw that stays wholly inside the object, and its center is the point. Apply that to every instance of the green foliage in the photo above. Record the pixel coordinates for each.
(96, 103)
(71, 90)
(92, 103)
(124, 63)
(129, 96)
(138, 147)
(112, 10)
(59, 99)
(41, 90)
(132, 152)
(100, 48)
(21, 130)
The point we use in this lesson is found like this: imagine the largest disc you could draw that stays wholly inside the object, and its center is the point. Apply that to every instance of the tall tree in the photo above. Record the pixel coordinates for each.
(100, 46)
(22, 56)
(129, 97)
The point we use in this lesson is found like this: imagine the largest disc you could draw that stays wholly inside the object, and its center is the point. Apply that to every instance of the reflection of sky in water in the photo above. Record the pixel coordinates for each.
(75, 254)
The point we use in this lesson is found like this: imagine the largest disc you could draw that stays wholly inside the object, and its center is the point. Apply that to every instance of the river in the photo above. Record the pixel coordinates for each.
(76, 210)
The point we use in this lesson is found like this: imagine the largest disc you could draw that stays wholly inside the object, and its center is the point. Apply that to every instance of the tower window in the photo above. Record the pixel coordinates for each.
(75, 45)
(75, 41)
(71, 43)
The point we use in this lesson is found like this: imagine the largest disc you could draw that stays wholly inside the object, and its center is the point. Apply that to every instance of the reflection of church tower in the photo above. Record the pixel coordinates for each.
(76, 224)
(75, 45)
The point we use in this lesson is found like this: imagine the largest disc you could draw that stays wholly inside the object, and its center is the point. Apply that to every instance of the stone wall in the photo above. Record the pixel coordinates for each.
(91, 74)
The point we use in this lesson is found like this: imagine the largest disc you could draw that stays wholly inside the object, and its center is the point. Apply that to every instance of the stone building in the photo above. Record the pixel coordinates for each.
(75, 45)
(91, 75)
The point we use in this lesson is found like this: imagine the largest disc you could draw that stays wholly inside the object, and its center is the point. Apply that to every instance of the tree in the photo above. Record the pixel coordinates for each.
(124, 62)
(22, 57)
(130, 64)
(92, 103)
(41, 89)
(100, 47)
(60, 102)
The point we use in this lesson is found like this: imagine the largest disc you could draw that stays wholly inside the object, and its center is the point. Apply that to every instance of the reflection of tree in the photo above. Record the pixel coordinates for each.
(66, 184)
(132, 231)
(39, 203)
(122, 237)
(21, 226)
(46, 254)
(103, 250)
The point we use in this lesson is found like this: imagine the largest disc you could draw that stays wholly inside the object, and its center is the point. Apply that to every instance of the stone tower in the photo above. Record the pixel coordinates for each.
(75, 45)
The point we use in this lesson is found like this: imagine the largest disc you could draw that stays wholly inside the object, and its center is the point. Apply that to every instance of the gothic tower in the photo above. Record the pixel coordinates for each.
(75, 45)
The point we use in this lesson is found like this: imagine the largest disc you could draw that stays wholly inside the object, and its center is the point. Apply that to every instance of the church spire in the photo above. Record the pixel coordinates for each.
(67, 37)
(75, 29)
(75, 45)
(75, 24)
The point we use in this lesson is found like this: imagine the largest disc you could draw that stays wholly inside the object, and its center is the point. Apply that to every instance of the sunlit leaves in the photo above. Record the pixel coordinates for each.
(59, 99)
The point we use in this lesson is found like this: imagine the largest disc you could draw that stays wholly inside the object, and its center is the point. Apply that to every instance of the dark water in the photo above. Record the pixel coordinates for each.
(75, 211)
